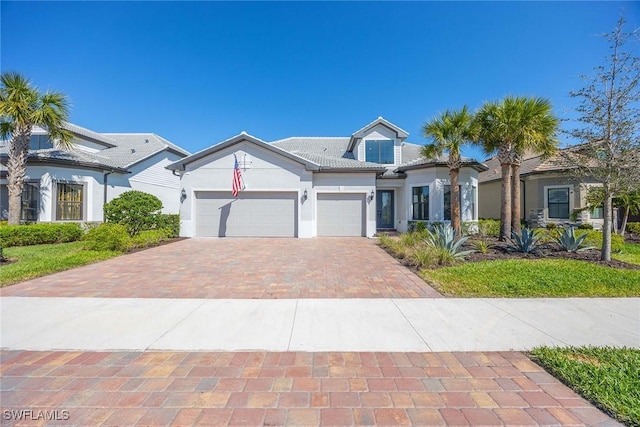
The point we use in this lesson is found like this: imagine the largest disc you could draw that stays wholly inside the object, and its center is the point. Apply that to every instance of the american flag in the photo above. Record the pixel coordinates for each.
(237, 184)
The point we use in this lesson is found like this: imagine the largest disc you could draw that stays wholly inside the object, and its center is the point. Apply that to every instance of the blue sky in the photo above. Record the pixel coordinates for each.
(197, 73)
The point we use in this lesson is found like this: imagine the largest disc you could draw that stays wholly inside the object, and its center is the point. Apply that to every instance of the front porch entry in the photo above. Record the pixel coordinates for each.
(385, 210)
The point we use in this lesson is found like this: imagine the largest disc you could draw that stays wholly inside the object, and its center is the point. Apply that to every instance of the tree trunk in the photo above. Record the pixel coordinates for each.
(17, 171)
(505, 208)
(606, 226)
(515, 197)
(624, 221)
(455, 201)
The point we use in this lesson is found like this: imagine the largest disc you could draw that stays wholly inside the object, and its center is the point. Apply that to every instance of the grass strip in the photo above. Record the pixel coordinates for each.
(630, 254)
(29, 262)
(534, 278)
(606, 376)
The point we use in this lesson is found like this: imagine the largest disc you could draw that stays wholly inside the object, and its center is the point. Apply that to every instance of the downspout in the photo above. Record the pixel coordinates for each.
(104, 198)
(524, 200)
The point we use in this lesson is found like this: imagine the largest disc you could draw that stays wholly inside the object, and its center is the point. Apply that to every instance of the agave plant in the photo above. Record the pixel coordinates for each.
(527, 242)
(569, 242)
(443, 238)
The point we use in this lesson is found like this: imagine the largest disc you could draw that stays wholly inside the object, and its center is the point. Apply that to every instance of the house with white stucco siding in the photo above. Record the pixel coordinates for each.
(74, 185)
(357, 185)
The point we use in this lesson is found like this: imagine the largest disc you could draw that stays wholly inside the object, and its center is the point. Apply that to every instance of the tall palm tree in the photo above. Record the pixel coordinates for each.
(493, 124)
(538, 136)
(511, 127)
(449, 132)
(22, 106)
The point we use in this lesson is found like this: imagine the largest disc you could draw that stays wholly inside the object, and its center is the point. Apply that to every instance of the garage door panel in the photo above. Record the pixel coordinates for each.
(341, 214)
(258, 214)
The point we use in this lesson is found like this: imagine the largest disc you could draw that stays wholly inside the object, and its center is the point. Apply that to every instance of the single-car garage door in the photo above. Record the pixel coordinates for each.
(252, 214)
(341, 214)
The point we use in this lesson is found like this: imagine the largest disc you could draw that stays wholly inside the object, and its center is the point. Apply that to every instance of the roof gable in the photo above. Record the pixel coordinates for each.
(243, 137)
(360, 133)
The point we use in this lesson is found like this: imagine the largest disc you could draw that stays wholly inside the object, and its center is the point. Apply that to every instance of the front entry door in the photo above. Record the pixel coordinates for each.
(384, 210)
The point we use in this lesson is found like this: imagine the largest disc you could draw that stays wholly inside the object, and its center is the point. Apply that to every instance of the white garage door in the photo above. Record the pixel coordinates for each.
(252, 214)
(341, 214)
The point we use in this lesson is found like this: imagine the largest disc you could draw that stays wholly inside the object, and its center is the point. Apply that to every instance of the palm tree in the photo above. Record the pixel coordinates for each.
(21, 107)
(449, 132)
(539, 128)
(511, 127)
(630, 204)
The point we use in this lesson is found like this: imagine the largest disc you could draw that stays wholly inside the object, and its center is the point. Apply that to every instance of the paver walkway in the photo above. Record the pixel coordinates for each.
(239, 268)
(287, 389)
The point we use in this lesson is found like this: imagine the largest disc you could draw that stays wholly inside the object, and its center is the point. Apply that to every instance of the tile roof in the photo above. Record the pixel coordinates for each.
(132, 148)
(332, 153)
(529, 166)
(122, 150)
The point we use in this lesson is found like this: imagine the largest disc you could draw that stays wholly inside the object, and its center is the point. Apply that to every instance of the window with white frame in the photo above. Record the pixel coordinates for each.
(30, 201)
(379, 151)
(69, 202)
(558, 205)
(447, 201)
(40, 142)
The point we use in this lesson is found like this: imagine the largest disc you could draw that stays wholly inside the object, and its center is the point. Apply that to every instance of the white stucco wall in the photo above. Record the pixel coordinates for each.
(49, 175)
(150, 176)
(436, 179)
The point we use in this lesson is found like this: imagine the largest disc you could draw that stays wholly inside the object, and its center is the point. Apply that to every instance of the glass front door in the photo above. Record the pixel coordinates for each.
(384, 209)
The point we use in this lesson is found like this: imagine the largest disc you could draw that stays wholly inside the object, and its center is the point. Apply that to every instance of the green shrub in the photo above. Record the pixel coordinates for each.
(633, 227)
(149, 238)
(489, 227)
(421, 226)
(108, 237)
(170, 223)
(135, 210)
(594, 238)
(39, 234)
(481, 246)
(585, 226)
(552, 226)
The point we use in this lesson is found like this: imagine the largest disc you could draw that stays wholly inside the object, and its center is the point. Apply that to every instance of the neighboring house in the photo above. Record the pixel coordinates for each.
(319, 186)
(549, 194)
(74, 185)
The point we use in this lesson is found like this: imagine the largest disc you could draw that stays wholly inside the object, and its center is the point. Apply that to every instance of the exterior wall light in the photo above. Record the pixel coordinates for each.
(183, 195)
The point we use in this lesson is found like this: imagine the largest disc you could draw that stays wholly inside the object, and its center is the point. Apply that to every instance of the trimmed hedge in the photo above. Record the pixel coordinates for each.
(149, 238)
(108, 237)
(633, 227)
(489, 227)
(168, 222)
(39, 234)
(594, 238)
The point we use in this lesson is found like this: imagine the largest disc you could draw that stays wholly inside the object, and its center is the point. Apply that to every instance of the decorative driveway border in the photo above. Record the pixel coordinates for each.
(264, 268)
(180, 388)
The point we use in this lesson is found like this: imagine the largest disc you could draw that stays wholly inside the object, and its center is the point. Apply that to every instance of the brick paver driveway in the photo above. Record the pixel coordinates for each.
(239, 389)
(239, 268)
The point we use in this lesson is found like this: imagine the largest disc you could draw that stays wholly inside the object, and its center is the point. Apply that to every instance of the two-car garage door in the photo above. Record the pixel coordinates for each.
(252, 214)
(274, 214)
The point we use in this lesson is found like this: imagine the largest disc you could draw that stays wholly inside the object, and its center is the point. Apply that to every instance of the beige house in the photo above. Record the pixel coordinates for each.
(549, 194)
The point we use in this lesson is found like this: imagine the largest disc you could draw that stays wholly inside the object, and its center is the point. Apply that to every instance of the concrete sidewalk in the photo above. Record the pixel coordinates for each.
(405, 325)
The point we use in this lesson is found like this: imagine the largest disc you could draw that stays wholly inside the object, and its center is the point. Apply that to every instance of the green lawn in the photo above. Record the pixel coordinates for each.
(40, 260)
(534, 278)
(608, 377)
(630, 253)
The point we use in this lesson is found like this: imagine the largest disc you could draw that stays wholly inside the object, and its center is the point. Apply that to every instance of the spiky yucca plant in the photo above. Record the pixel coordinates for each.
(569, 242)
(527, 242)
(443, 238)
